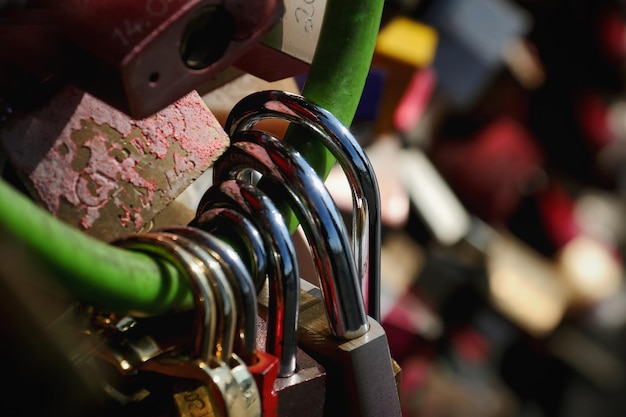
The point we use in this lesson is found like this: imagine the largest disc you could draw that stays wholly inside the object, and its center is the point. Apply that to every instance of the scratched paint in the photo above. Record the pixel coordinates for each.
(104, 172)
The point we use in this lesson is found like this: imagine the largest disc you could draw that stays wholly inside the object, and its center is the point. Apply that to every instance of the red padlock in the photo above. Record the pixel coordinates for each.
(138, 56)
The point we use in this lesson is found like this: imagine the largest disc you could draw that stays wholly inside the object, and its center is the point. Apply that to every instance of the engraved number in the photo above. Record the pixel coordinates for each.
(157, 8)
(196, 405)
(304, 15)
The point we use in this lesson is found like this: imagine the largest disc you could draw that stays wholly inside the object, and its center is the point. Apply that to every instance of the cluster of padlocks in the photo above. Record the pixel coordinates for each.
(257, 343)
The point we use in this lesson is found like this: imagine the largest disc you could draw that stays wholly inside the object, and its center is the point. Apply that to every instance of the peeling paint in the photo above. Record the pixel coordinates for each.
(104, 172)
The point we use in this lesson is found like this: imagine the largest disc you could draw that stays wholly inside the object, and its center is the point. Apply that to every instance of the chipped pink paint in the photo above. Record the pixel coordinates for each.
(41, 146)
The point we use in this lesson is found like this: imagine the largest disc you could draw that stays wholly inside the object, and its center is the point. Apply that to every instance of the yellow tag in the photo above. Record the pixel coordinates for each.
(408, 41)
(195, 402)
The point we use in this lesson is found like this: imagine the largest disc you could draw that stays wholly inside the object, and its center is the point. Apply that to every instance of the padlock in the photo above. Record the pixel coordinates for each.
(350, 156)
(233, 285)
(104, 173)
(284, 279)
(115, 49)
(111, 349)
(262, 365)
(239, 278)
(366, 356)
(281, 316)
(221, 393)
(287, 50)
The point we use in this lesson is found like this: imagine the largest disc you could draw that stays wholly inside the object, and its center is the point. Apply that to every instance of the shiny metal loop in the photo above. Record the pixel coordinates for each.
(201, 366)
(232, 226)
(241, 282)
(226, 295)
(205, 312)
(366, 220)
(284, 297)
(293, 179)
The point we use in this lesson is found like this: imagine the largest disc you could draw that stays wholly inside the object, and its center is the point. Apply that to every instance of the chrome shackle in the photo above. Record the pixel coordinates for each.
(292, 179)
(366, 233)
(285, 278)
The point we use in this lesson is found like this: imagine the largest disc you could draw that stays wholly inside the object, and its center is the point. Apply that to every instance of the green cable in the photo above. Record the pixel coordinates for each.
(340, 67)
(92, 271)
(337, 76)
(124, 281)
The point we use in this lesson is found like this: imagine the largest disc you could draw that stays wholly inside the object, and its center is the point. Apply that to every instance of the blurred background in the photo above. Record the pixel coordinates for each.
(497, 129)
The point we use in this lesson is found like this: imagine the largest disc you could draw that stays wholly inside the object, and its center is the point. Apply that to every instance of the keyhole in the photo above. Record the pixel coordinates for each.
(206, 37)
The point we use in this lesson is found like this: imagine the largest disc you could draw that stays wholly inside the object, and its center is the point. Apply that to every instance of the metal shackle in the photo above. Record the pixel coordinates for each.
(223, 294)
(202, 365)
(231, 225)
(294, 180)
(223, 283)
(366, 232)
(284, 297)
(205, 312)
(240, 280)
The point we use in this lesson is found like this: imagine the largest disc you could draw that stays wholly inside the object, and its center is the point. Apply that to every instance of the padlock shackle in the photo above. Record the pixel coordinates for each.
(223, 293)
(284, 297)
(366, 218)
(241, 281)
(240, 232)
(205, 311)
(290, 178)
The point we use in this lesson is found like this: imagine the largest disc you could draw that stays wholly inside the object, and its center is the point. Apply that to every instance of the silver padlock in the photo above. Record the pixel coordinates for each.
(302, 391)
(361, 378)
(200, 244)
(284, 278)
(292, 179)
(366, 219)
(240, 280)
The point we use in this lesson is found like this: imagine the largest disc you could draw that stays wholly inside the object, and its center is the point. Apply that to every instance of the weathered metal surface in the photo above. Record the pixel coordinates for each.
(105, 173)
